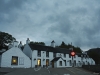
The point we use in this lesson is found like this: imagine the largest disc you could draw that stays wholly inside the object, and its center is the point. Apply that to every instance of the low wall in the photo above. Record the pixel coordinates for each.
(93, 68)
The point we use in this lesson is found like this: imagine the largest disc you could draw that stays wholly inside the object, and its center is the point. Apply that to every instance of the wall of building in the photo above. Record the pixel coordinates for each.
(15, 51)
(58, 63)
(67, 58)
(43, 58)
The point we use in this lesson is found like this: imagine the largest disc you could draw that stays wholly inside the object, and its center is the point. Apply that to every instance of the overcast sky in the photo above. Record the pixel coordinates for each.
(76, 21)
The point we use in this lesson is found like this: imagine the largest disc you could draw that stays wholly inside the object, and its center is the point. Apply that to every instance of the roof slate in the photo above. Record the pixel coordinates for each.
(56, 59)
(48, 48)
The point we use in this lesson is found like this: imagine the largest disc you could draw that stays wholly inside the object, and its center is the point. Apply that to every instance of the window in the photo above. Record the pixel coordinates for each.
(21, 61)
(47, 54)
(81, 58)
(70, 63)
(85, 56)
(64, 55)
(69, 56)
(14, 60)
(74, 62)
(39, 53)
(54, 54)
(74, 56)
(60, 63)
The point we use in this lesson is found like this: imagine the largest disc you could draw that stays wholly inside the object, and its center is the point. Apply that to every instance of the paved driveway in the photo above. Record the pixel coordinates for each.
(50, 71)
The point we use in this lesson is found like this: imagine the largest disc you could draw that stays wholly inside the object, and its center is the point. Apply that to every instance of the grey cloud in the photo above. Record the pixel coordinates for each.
(60, 20)
(6, 7)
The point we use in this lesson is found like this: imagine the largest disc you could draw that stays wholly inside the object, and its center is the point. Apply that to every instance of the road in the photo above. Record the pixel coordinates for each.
(50, 71)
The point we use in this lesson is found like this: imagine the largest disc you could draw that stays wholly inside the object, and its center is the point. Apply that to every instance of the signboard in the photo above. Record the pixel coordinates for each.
(72, 53)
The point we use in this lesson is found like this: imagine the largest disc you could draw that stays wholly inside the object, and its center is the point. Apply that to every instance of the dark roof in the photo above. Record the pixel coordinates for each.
(48, 48)
(1, 53)
(56, 59)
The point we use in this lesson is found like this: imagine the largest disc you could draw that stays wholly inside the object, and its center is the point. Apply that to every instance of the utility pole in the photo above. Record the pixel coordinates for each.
(72, 54)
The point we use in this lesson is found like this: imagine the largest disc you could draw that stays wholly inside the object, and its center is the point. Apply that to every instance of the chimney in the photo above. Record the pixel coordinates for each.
(20, 44)
(53, 43)
(15, 44)
(27, 41)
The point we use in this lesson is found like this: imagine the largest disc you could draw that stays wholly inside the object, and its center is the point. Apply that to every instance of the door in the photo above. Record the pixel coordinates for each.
(52, 64)
(47, 62)
(39, 62)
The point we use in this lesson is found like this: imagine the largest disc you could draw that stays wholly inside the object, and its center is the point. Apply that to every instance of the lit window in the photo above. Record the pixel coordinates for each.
(14, 60)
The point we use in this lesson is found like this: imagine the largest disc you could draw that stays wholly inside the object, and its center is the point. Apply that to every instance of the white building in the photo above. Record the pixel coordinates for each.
(54, 57)
(14, 57)
(34, 55)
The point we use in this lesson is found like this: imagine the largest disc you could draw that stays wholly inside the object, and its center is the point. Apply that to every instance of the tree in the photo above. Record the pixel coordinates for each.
(94, 53)
(63, 45)
(39, 43)
(76, 49)
(5, 38)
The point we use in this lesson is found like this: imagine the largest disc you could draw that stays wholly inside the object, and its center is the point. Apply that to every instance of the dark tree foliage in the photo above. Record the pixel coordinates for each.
(76, 49)
(5, 38)
(39, 43)
(94, 54)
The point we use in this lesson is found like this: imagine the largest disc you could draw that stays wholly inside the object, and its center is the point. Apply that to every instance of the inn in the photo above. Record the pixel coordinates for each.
(34, 55)
(54, 57)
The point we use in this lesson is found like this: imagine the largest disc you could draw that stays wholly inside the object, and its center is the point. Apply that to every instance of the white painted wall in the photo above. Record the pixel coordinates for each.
(65, 58)
(27, 50)
(63, 63)
(14, 51)
(43, 56)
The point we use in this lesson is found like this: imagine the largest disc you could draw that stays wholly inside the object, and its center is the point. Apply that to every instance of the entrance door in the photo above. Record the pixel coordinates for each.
(47, 62)
(39, 62)
(52, 64)
(65, 62)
